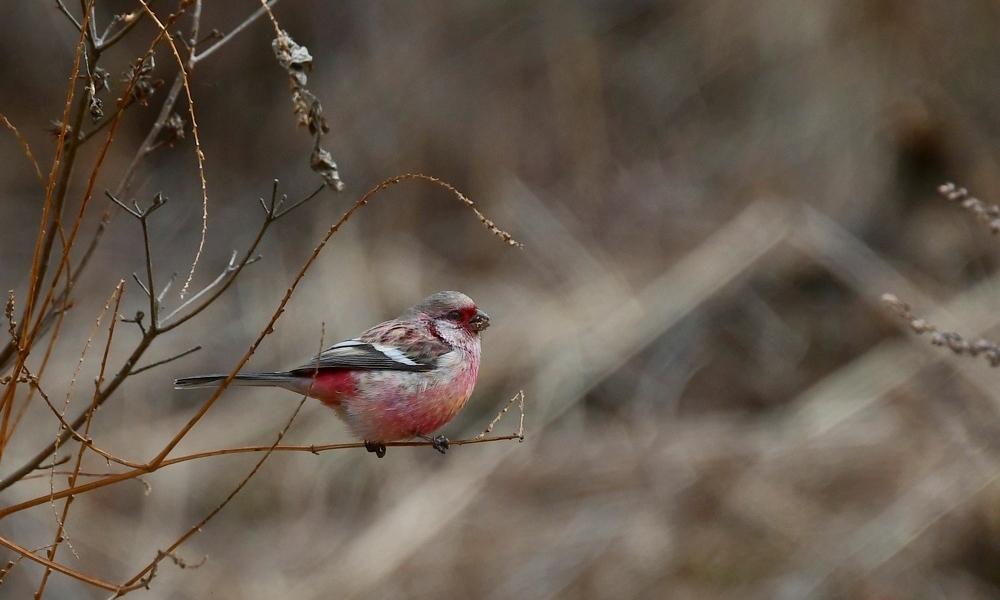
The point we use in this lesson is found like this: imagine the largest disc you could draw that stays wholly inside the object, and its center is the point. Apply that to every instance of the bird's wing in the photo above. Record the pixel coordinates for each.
(390, 346)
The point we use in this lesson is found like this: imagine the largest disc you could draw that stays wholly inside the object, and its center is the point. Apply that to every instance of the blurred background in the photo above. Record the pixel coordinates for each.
(712, 196)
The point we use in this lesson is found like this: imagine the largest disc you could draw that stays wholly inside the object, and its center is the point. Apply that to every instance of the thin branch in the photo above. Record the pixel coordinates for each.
(68, 458)
(520, 428)
(154, 306)
(57, 567)
(24, 146)
(69, 15)
(55, 193)
(127, 586)
(54, 463)
(300, 202)
(41, 327)
(88, 193)
(8, 351)
(34, 383)
(166, 288)
(49, 348)
(145, 342)
(39, 458)
(145, 289)
(165, 360)
(155, 465)
(152, 468)
(318, 448)
(91, 22)
(503, 235)
(131, 20)
(60, 535)
(195, 59)
(185, 69)
(230, 271)
(953, 340)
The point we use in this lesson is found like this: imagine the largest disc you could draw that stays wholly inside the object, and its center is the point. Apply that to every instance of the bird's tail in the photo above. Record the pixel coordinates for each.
(251, 379)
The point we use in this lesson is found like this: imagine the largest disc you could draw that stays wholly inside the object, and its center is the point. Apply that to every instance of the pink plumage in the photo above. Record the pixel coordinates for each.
(401, 379)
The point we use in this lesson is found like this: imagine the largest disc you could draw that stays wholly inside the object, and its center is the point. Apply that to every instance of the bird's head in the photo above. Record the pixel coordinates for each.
(453, 313)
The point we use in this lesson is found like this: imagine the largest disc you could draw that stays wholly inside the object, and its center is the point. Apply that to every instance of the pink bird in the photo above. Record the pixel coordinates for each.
(401, 379)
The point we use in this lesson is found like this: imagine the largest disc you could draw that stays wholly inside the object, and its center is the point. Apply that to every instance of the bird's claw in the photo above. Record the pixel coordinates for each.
(377, 447)
(439, 443)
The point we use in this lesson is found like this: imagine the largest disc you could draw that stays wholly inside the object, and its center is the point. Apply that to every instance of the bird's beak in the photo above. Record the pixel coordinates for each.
(479, 322)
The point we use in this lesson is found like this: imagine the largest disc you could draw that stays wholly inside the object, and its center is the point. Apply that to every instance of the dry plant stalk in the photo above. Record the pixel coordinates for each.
(985, 213)
(954, 341)
(55, 270)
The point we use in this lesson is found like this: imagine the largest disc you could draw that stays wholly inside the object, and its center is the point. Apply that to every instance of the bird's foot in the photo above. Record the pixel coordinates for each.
(377, 447)
(438, 442)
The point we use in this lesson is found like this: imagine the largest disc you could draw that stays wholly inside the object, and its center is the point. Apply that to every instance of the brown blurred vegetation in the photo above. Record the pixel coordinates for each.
(712, 196)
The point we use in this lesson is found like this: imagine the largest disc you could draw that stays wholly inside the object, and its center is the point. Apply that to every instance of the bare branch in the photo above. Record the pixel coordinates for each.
(24, 146)
(24, 552)
(166, 360)
(953, 340)
(985, 213)
(185, 68)
(299, 203)
(69, 15)
(195, 59)
(520, 428)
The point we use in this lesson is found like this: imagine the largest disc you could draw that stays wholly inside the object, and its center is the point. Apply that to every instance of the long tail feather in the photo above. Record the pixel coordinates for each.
(251, 379)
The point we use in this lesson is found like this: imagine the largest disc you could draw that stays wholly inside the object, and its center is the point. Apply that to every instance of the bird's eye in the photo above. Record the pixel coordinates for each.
(454, 316)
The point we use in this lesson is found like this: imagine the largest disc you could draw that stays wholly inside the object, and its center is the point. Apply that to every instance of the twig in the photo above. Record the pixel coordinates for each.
(54, 463)
(24, 146)
(145, 289)
(55, 193)
(147, 339)
(8, 405)
(985, 213)
(152, 466)
(7, 567)
(231, 269)
(58, 320)
(300, 202)
(60, 535)
(63, 425)
(236, 31)
(66, 459)
(503, 235)
(69, 15)
(489, 428)
(185, 68)
(88, 194)
(128, 585)
(954, 341)
(166, 288)
(143, 216)
(9, 350)
(131, 20)
(165, 360)
(24, 552)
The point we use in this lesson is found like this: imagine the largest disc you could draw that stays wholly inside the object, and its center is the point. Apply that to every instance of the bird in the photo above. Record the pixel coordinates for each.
(401, 379)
